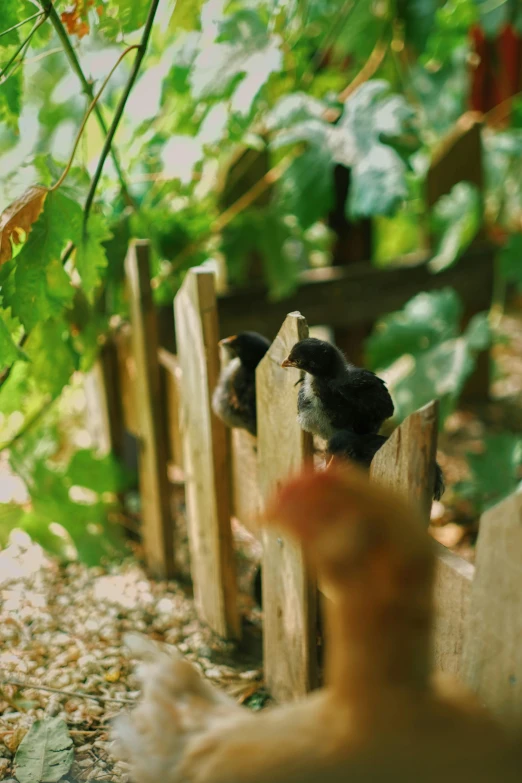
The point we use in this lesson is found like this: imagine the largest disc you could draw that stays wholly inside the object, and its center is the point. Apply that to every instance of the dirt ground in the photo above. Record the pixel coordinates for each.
(61, 627)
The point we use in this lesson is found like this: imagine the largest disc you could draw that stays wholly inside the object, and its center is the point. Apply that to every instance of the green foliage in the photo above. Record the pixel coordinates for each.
(221, 78)
(495, 471)
(41, 285)
(456, 221)
(91, 258)
(424, 346)
(510, 261)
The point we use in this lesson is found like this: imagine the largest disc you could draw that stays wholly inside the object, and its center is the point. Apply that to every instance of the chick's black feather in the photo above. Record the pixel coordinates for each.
(336, 395)
(363, 448)
(234, 398)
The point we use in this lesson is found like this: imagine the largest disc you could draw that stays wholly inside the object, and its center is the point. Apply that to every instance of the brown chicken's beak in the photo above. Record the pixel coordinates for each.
(288, 363)
(228, 340)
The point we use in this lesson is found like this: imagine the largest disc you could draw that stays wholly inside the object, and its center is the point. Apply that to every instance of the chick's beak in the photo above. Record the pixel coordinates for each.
(228, 340)
(288, 363)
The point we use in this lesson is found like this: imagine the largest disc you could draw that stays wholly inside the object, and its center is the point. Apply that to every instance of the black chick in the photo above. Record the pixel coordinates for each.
(234, 398)
(336, 395)
(362, 449)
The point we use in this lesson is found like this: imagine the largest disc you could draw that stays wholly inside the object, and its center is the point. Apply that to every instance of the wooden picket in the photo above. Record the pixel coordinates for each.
(289, 596)
(157, 529)
(206, 465)
(492, 650)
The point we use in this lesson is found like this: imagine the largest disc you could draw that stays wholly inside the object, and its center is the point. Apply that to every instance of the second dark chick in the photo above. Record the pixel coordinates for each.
(234, 398)
(335, 395)
(363, 448)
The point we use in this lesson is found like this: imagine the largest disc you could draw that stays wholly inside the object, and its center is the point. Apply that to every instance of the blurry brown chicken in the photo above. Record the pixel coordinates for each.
(380, 716)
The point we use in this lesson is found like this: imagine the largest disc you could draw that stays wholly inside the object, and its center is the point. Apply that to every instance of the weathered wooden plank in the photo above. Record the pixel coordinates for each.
(492, 655)
(289, 596)
(452, 591)
(127, 378)
(157, 528)
(350, 296)
(104, 405)
(458, 158)
(205, 455)
(406, 462)
(246, 496)
(171, 377)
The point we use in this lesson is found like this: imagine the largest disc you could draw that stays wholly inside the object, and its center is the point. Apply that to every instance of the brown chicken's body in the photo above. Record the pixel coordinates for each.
(380, 716)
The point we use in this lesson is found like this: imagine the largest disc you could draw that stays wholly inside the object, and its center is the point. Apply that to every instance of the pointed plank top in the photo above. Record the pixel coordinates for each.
(406, 462)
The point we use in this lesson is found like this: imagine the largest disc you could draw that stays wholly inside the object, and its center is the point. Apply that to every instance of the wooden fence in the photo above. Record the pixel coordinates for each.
(166, 404)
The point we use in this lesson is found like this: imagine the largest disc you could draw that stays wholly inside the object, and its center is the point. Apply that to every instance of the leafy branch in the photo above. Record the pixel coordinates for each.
(20, 24)
(142, 48)
(89, 92)
(5, 70)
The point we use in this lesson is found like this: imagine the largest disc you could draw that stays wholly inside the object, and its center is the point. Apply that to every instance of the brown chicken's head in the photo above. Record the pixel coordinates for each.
(345, 523)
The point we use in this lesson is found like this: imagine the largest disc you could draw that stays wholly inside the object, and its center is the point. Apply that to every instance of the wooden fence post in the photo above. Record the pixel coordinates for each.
(289, 597)
(406, 462)
(205, 455)
(492, 657)
(154, 490)
(452, 592)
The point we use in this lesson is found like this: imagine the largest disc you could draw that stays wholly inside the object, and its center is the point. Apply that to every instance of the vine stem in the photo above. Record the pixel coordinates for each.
(142, 48)
(89, 92)
(92, 105)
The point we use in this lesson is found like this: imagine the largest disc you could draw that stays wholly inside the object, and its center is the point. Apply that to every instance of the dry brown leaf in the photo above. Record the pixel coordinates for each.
(20, 216)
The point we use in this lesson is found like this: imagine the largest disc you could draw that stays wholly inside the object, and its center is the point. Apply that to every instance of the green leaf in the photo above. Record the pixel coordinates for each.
(510, 258)
(10, 17)
(456, 221)
(418, 17)
(52, 357)
(306, 190)
(91, 257)
(10, 516)
(238, 69)
(421, 347)
(494, 16)
(39, 529)
(46, 752)
(11, 99)
(9, 350)
(495, 473)
(100, 475)
(425, 321)
(40, 282)
(130, 14)
(377, 123)
(186, 15)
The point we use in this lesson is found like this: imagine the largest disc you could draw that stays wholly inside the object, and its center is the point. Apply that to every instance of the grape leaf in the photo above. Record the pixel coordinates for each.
(11, 99)
(19, 217)
(100, 474)
(130, 14)
(418, 17)
(46, 752)
(9, 350)
(425, 321)
(240, 66)
(511, 260)
(425, 355)
(375, 122)
(186, 15)
(91, 257)
(52, 357)
(10, 17)
(306, 187)
(456, 221)
(34, 299)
